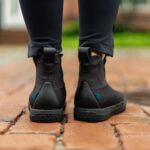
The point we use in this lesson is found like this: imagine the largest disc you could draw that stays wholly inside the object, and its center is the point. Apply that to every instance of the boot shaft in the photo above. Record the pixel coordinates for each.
(49, 91)
(91, 69)
(49, 69)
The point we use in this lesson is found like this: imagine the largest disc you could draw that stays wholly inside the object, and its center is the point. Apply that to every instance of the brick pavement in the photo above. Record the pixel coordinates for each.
(127, 131)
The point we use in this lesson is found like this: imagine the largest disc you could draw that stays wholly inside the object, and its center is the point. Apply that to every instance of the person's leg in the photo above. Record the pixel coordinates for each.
(43, 19)
(44, 23)
(95, 100)
(97, 18)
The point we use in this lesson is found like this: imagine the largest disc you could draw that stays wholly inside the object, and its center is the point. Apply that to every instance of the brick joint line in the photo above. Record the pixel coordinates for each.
(5, 130)
(22, 112)
(59, 141)
(118, 136)
(145, 112)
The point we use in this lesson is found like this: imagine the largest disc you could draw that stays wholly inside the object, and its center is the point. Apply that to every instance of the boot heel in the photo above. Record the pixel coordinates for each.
(98, 114)
(37, 115)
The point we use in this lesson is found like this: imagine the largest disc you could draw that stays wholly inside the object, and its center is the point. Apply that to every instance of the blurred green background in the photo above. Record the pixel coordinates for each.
(132, 24)
(123, 38)
(132, 27)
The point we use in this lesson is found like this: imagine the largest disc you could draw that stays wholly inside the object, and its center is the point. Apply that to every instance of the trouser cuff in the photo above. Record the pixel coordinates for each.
(36, 48)
(103, 44)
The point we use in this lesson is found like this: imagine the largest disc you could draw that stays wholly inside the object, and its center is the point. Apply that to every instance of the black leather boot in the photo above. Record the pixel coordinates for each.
(47, 100)
(95, 100)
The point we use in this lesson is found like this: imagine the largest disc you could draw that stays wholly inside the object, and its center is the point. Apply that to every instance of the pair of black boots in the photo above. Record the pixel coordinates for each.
(95, 100)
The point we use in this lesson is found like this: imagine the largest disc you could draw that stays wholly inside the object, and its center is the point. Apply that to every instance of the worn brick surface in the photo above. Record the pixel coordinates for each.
(27, 142)
(133, 109)
(134, 129)
(9, 113)
(124, 119)
(24, 125)
(15, 74)
(89, 136)
(129, 130)
(19, 98)
(126, 74)
(136, 142)
(133, 114)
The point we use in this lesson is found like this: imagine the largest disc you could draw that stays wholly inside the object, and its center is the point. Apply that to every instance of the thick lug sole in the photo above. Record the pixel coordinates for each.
(100, 114)
(38, 115)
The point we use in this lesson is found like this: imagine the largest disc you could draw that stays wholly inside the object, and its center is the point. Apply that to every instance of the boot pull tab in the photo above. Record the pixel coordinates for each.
(49, 54)
(84, 54)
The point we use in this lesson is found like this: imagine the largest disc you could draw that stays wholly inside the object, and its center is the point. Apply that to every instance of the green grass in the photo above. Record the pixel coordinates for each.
(70, 42)
(124, 39)
(132, 39)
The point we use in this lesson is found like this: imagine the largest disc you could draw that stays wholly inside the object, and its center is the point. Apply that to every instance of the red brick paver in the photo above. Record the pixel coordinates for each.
(24, 125)
(134, 129)
(27, 142)
(90, 136)
(9, 113)
(136, 142)
(127, 131)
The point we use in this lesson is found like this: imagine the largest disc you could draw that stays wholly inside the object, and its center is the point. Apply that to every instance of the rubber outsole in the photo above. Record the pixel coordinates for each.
(45, 116)
(100, 114)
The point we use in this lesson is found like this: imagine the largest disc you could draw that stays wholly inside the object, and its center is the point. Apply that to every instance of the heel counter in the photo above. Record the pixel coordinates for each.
(46, 99)
(84, 97)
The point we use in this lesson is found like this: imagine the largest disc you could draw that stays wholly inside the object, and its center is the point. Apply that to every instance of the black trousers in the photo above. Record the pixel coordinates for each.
(43, 19)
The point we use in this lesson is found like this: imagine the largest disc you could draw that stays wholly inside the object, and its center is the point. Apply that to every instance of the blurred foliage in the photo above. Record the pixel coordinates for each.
(133, 2)
(121, 28)
(124, 39)
(132, 39)
(71, 28)
(124, 35)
